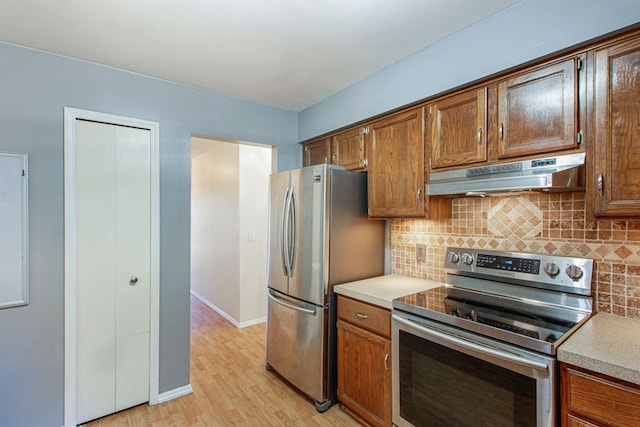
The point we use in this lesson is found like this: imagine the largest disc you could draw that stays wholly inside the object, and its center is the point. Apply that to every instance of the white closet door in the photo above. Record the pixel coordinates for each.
(113, 244)
(133, 265)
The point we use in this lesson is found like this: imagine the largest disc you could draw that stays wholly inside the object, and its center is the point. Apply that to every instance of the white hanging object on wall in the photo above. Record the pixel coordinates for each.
(14, 226)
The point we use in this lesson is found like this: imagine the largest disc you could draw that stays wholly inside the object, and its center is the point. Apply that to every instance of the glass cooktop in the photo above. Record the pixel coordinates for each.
(493, 316)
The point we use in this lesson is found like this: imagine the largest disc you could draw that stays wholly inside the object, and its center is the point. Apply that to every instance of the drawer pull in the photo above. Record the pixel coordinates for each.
(362, 316)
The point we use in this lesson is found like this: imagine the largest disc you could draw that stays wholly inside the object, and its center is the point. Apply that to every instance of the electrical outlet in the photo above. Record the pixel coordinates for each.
(421, 252)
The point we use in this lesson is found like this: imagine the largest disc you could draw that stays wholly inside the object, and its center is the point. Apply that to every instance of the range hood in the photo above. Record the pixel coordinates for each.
(558, 173)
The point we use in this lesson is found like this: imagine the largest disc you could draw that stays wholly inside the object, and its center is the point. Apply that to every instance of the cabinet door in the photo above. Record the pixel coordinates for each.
(347, 149)
(395, 147)
(317, 152)
(615, 187)
(590, 397)
(538, 110)
(457, 127)
(364, 373)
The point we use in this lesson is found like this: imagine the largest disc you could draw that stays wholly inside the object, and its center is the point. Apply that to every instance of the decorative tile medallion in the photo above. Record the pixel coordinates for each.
(514, 217)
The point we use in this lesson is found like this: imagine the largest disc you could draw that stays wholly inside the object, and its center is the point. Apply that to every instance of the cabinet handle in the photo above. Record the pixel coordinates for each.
(600, 184)
(419, 194)
(362, 316)
(335, 158)
(501, 131)
(386, 360)
(480, 136)
(326, 159)
(133, 280)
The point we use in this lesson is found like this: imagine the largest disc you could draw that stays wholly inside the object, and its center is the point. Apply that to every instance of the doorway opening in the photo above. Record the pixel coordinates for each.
(229, 227)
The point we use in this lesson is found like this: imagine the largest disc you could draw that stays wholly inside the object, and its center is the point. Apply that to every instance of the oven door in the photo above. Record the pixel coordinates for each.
(445, 376)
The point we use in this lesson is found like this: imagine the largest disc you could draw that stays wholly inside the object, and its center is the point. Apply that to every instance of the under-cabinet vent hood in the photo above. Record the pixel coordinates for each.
(558, 173)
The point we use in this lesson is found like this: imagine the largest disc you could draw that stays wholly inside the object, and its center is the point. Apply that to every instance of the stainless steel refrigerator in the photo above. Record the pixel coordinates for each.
(319, 236)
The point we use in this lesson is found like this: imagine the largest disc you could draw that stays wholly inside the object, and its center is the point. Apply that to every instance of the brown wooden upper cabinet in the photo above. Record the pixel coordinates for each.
(395, 147)
(538, 110)
(615, 177)
(457, 128)
(317, 152)
(347, 149)
(531, 112)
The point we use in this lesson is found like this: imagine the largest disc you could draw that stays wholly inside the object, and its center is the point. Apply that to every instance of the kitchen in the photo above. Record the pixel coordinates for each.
(467, 221)
(496, 231)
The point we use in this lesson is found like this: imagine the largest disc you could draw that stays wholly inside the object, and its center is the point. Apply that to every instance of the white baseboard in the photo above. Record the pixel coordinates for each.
(175, 393)
(252, 322)
(230, 319)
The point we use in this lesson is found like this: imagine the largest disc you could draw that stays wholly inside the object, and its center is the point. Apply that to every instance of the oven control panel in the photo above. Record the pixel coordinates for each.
(507, 263)
(570, 273)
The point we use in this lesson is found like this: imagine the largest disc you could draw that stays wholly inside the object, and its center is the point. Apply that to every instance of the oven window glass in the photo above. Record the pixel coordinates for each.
(443, 387)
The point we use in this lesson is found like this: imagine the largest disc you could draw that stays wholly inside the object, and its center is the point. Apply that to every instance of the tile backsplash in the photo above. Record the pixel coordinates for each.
(530, 222)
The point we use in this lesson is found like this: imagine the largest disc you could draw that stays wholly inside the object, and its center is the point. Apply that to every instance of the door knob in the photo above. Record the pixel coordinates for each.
(133, 280)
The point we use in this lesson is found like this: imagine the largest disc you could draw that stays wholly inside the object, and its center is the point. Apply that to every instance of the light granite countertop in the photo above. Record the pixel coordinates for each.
(606, 344)
(382, 290)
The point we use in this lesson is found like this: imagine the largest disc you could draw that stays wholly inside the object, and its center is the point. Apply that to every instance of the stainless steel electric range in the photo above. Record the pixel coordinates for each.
(480, 350)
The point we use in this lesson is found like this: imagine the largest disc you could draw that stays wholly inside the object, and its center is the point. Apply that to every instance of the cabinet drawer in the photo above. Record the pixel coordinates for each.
(577, 422)
(601, 401)
(366, 316)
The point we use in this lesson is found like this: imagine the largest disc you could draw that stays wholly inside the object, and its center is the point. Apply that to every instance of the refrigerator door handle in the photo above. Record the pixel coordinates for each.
(294, 234)
(291, 306)
(284, 256)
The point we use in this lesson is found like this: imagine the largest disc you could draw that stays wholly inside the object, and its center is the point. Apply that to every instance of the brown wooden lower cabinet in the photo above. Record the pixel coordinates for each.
(592, 399)
(364, 360)
(577, 422)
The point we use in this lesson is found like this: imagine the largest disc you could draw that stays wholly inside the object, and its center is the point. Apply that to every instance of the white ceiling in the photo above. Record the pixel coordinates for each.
(284, 53)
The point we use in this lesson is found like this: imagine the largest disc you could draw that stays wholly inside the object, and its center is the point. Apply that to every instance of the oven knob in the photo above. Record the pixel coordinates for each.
(552, 269)
(453, 257)
(467, 258)
(574, 272)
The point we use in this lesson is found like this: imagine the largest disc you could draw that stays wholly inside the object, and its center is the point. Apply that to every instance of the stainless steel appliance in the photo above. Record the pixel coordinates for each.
(556, 173)
(480, 350)
(319, 236)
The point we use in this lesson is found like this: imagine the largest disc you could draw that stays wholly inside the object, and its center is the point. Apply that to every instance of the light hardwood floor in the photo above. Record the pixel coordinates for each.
(231, 386)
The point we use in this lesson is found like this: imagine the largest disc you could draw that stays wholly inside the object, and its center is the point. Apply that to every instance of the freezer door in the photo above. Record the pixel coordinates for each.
(278, 202)
(308, 280)
(296, 343)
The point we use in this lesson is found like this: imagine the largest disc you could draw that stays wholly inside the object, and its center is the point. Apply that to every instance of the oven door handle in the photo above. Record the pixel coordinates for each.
(472, 346)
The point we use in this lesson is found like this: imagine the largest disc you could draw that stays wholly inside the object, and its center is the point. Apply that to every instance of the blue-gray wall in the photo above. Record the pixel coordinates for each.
(34, 88)
(526, 31)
